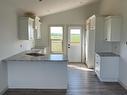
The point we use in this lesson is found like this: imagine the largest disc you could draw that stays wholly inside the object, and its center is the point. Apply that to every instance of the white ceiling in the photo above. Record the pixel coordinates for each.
(47, 7)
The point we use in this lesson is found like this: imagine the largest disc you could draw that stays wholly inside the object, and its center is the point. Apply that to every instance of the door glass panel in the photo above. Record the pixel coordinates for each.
(56, 38)
(75, 36)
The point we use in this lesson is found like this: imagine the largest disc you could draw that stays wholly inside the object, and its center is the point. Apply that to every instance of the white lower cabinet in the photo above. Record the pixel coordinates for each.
(3, 78)
(107, 68)
(37, 74)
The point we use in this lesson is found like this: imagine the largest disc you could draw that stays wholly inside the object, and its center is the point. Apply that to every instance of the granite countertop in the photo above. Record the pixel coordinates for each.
(107, 54)
(47, 57)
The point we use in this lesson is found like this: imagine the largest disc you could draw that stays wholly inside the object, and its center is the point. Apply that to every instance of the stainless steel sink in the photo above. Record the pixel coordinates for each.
(35, 54)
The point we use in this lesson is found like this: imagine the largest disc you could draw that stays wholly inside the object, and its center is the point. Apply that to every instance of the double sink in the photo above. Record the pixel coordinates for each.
(35, 54)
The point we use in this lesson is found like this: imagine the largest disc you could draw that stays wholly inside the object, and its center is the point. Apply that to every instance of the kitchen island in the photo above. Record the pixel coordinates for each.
(37, 72)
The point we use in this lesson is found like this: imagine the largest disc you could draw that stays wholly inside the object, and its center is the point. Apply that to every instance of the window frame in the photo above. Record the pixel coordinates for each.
(50, 47)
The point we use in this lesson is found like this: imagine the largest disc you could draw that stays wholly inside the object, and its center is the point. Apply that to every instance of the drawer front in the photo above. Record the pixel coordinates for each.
(97, 69)
(97, 59)
(97, 64)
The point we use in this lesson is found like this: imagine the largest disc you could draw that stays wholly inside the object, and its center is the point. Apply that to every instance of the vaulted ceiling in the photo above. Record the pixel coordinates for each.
(46, 7)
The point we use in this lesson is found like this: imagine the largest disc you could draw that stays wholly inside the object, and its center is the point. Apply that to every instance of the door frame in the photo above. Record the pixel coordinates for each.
(82, 39)
(49, 40)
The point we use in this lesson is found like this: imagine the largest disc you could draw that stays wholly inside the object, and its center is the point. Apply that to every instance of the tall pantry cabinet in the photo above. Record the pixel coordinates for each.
(90, 41)
(94, 38)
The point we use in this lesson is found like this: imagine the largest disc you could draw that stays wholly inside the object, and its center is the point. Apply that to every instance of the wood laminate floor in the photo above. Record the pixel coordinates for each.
(81, 81)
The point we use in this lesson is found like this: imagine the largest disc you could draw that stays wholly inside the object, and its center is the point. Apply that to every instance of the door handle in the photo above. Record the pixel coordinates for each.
(68, 45)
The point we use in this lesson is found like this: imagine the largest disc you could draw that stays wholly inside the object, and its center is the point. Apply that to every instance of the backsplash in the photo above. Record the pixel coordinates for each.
(116, 47)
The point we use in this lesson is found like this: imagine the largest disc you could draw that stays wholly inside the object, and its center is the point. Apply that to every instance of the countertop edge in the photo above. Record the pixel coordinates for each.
(107, 54)
(47, 58)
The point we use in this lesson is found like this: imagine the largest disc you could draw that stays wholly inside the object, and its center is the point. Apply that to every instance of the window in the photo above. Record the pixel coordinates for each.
(56, 39)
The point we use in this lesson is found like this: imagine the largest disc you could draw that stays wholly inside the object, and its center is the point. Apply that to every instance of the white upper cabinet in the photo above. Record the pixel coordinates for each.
(37, 25)
(26, 28)
(112, 28)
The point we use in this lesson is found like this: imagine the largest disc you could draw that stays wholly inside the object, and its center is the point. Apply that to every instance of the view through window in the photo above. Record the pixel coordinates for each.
(75, 36)
(56, 39)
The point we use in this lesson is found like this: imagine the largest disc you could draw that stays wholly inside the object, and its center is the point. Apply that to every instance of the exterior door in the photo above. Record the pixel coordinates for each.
(74, 44)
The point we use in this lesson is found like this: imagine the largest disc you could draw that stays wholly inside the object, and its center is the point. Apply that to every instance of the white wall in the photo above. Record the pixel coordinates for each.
(8, 32)
(9, 43)
(110, 7)
(118, 7)
(123, 46)
(75, 16)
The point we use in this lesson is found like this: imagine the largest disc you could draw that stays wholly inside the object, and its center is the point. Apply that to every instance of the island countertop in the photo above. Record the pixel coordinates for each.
(47, 57)
(107, 54)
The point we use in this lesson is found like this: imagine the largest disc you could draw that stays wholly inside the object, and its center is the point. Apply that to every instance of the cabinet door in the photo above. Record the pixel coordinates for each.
(30, 29)
(38, 36)
(90, 44)
(116, 29)
(107, 30)
(37, 25)
(3, 76)
(92, 22)
(112, 28)
(109, 68)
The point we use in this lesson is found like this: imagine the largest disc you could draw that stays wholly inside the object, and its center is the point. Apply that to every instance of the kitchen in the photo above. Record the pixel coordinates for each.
(11, 46)
(35, 68)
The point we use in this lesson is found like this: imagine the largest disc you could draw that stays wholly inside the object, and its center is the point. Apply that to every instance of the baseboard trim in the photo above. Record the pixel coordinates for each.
(123, 85)
(3, 91)
(38, 90)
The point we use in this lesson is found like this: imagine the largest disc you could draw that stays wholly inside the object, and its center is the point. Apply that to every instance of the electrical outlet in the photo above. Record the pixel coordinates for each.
(126, 43)
(21, 46)
(115, 47)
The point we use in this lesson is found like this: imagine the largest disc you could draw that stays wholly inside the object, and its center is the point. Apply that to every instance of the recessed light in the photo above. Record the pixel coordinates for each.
(81, 2)
(40, 0)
